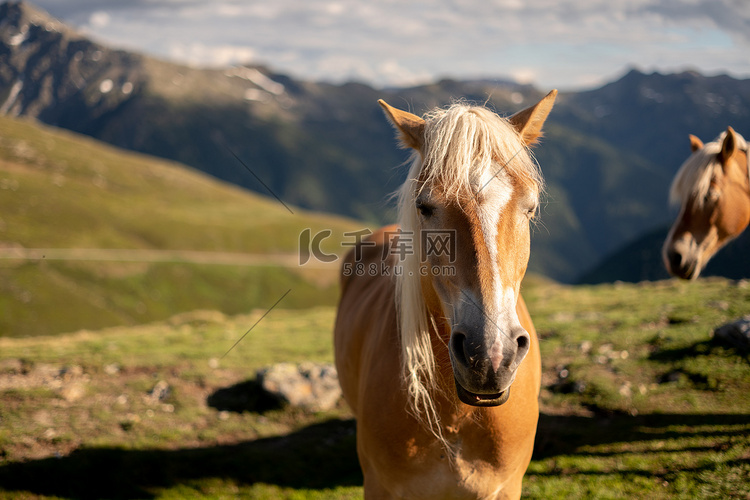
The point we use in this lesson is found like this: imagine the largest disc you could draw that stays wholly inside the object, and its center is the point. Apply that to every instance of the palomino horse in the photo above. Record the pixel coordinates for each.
(713, 189)
(431, 337)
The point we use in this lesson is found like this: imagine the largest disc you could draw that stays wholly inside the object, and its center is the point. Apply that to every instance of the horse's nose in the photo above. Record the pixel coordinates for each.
(680, 266)
(674, 259)
(475, 355)
(523, 340)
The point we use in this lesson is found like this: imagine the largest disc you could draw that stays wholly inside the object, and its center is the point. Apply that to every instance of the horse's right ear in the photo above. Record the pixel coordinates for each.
(695, 143)
(409, 126)
(528, 122)
(729, 146)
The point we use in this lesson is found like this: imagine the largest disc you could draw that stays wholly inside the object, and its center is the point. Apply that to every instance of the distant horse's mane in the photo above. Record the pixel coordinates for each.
(693, 179)
(464, 146)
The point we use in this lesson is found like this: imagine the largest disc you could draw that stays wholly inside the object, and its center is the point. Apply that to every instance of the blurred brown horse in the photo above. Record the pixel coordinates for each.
(432, 334)
(713, 190)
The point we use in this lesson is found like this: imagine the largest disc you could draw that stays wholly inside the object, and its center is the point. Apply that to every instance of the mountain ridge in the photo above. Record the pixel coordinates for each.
(608, 155)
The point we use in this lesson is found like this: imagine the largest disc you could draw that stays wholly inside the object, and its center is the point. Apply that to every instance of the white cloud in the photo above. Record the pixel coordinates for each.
(99, 19)
(524, 75)
(198, 54)
(560, 43)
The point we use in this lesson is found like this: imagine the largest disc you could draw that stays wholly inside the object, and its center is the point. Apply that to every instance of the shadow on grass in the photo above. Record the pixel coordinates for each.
(712, 347)
(244, 396)
(566, 435)
(702, 348)
(650, 474)
(320, 456)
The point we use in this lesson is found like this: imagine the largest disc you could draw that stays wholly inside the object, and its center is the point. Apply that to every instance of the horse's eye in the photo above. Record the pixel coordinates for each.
(424, 209)
(531, 213)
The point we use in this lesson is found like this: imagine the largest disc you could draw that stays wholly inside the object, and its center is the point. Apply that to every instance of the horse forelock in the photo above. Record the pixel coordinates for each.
(465, 148)
(467, 145)
(693, 179)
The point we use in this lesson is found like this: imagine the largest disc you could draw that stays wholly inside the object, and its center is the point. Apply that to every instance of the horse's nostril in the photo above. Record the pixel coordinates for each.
(457, 346)
(675, 259)
(523, 342)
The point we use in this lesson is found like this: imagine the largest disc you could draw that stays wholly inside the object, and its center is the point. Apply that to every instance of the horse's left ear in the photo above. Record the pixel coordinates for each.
(410, 127)
(729, 146)
(528, 122)
(695, 143)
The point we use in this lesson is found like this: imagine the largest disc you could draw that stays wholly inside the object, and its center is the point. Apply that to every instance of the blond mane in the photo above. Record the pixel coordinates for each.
(463, 145)
(693, 179)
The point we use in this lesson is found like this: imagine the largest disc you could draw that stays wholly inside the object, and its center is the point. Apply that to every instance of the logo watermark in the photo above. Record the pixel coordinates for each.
(396, 247)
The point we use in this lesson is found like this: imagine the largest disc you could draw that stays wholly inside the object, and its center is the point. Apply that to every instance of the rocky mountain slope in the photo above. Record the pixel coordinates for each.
(608, 155)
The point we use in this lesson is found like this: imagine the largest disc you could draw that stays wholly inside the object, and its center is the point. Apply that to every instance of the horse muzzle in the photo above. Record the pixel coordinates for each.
(476, 399)
(484, 369)
(682, 257)
(679, 266)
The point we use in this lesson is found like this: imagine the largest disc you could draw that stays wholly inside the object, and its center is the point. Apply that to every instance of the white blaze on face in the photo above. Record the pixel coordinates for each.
(497, 193)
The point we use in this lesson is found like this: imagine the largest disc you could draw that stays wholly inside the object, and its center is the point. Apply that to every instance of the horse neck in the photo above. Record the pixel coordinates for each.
(746, 165)
(742, 159)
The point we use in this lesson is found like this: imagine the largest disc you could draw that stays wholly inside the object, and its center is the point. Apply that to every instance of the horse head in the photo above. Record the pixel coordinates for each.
(713, 192)
(468, 202)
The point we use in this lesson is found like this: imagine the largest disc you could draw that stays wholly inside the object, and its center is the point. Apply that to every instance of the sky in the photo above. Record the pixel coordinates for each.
(564, 44)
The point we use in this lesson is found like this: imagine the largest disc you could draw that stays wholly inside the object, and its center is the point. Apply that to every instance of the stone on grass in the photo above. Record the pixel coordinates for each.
(310, 386)
(735, 334)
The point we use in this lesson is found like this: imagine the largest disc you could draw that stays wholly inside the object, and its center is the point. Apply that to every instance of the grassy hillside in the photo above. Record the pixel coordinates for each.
(637, 402)
(63, 191)
(608, 154)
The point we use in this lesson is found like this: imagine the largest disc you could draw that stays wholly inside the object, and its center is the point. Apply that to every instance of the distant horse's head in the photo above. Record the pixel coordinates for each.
(713, 192)
(467, 204)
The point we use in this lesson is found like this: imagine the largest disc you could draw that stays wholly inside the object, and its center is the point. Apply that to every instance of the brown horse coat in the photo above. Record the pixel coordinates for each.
(712, 188)
(400, 458)
(475, 435)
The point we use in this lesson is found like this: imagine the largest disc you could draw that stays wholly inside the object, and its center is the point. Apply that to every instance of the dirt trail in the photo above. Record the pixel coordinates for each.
(155, 255)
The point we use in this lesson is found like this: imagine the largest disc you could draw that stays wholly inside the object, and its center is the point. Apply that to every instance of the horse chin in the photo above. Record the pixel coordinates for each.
(691, 272)
(474, 399)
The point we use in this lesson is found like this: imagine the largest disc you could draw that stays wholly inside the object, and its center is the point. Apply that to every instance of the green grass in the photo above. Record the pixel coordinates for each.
(638, 401)
(61, 190)
(49, 297)
(667, 420)
(114, 441)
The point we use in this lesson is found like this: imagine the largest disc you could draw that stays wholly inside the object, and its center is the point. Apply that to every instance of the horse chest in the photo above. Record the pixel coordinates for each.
(460, 480)
(408, 470)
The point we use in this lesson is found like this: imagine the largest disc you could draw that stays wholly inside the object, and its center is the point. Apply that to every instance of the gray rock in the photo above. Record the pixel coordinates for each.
(308, 385)
(735, 334)
(159, 393)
